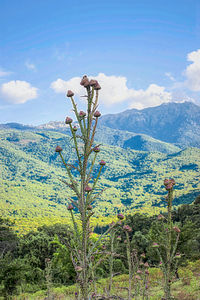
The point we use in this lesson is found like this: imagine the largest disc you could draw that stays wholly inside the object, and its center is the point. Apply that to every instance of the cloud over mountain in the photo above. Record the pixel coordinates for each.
(192, 72)
(115, 90)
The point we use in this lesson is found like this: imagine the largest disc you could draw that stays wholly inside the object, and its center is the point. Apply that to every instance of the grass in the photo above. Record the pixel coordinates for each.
(185, 288)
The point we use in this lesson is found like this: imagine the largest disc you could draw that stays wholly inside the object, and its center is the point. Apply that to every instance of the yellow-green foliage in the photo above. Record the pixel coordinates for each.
(32, 194)
(181, 290)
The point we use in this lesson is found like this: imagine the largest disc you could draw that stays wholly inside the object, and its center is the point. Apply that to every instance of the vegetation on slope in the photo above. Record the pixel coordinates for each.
(31, 191)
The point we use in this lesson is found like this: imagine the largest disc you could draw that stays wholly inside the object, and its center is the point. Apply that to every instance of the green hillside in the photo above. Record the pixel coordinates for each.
(32, 194)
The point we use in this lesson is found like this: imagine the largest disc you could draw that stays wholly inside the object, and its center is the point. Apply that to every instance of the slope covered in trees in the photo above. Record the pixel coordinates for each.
(32, 194)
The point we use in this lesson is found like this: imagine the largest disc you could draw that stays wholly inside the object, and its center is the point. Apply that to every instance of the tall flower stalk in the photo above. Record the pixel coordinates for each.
(169, 262)
(83, 249)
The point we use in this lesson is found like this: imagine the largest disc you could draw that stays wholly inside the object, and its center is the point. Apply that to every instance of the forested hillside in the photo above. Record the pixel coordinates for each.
(31, 191)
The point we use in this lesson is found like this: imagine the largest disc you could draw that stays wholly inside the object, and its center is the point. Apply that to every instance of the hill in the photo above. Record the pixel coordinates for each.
(177, 123)
(105, 135)
(32, 194)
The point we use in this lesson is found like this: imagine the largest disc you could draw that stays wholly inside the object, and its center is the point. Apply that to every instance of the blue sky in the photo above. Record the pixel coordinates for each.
(143, 53)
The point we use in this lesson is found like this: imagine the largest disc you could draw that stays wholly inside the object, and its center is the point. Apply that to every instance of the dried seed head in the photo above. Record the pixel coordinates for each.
(176, 229)
(70, 94)
(127, 228)
(89, 207)
(97, 114)
(93, 82)
(96, 149)
(78, 269)
(82, 114)
(68, 120)
(97, 86)
(75, 128)
(70, 207)
(178, 256)
(102, 163)
(169, 186)
(58, 149)
(166, 181)
(85, 81)
(88, 189)
(120, 216)
(160, 217)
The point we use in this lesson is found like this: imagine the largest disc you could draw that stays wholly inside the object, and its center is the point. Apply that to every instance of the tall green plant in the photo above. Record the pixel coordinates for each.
(168, 257)
(83, 249)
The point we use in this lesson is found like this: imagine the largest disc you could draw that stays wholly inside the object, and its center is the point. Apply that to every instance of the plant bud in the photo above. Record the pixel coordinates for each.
(70, 207)
(166, 181)
(97, 114)
(68, 120)
(155, 245)
(169, 186)
(89, 207)
(70, 94)
(160, 217)
(127, 228)
(178, 256)
(88, 189)
(102, 163)
(78, 269)
(75, 128)
(120, 216)
(84, 80)
(93, 82)
(86, 84)
(96, 149)
(176, 229)
(97, 87)
(58, 149)
(82, 114)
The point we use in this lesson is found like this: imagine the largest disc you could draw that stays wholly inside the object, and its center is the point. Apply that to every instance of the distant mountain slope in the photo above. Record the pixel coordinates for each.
(144, 142)
(31, 192)
(177, 123)
(104, 135)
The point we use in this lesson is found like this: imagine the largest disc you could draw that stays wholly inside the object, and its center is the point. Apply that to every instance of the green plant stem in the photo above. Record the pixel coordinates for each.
(130, 272)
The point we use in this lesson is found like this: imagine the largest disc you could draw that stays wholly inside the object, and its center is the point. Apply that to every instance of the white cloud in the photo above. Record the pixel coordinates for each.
(169, 75)
(18, 92)
(30, 66)
(62, 86)
(115, 90)
(192, 72)
(154, 95)
(4, 73)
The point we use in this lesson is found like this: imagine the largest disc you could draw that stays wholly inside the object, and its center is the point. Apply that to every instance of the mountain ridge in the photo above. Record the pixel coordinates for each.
(177, 123)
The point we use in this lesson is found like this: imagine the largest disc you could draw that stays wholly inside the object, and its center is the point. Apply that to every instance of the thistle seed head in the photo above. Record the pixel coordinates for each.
(68, 120)
(97, 114)
(58, 149)
(70, 93)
